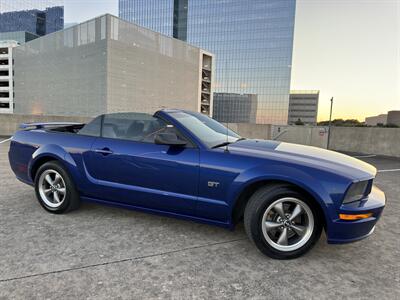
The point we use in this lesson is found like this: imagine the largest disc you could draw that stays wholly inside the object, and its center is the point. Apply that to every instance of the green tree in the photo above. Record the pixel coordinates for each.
(341, 122)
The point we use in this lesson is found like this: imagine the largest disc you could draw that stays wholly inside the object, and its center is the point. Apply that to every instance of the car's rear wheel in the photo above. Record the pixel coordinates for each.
(282, 222)
(54, 188)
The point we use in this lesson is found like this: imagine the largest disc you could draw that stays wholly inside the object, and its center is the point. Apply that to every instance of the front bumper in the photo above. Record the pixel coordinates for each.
(341, 231)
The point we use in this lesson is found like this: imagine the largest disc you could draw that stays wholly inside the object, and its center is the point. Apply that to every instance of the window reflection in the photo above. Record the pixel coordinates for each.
(252, 42)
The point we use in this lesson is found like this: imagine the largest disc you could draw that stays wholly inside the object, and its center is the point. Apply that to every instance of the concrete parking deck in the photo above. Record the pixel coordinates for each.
(101, 252)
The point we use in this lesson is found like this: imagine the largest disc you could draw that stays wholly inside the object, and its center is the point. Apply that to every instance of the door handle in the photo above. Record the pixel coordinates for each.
(105, 151)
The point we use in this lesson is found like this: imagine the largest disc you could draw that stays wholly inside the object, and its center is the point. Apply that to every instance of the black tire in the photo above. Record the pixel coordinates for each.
(256, 209)
(70, 200)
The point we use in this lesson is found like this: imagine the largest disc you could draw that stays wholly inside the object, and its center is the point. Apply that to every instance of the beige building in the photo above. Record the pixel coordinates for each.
(391, 118)
(110, 65)
(375, 120)
(303, 106)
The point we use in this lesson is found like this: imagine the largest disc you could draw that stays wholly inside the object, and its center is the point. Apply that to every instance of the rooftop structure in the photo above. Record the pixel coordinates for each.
(110, 65)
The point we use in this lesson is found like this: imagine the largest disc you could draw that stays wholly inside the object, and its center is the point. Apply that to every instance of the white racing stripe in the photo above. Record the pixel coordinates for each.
(389, 170)
(3, 141)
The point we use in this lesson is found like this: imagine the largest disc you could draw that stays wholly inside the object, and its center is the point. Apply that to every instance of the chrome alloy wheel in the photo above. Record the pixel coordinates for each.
(287, 224)
(52, 188)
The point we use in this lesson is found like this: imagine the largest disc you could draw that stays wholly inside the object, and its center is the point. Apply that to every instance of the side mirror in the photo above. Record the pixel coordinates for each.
(168, 138)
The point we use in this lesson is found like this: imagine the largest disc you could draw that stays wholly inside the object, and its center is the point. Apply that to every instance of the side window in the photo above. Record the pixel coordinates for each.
(132, 126)
(92, 128)
(172, 129)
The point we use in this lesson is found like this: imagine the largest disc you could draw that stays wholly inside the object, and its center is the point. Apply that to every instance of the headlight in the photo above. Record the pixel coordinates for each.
(357, 191)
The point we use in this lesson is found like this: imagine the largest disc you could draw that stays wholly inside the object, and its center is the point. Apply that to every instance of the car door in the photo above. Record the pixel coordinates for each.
(128, 167)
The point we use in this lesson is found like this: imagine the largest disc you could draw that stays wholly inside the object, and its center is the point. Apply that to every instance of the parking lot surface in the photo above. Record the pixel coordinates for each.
(102, 252)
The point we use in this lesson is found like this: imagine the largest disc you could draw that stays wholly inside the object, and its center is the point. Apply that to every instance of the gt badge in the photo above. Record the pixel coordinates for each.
(213, 184)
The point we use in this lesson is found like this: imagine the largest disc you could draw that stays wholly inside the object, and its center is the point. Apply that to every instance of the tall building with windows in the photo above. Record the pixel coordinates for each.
(35, 17)
(22, 21)
(252, 42)
(235, 108)
(18, 36)
(303, 107)
(6, 76)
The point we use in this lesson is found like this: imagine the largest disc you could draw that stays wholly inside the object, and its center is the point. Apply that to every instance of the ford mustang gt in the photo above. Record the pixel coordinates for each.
(187, 165)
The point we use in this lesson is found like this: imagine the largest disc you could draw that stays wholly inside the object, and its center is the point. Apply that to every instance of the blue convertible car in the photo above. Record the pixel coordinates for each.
(187, 165)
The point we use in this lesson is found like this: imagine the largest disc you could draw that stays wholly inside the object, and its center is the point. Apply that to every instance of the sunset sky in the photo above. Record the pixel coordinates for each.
(347, 49)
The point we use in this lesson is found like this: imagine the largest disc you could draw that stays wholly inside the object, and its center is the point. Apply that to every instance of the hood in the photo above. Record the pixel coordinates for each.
(307, 156)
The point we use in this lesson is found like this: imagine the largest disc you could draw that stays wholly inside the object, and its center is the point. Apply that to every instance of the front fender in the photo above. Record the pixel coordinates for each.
(317, 183)
(50, 151)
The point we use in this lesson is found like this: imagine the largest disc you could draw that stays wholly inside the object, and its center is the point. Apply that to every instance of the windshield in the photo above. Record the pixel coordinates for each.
(209, 131)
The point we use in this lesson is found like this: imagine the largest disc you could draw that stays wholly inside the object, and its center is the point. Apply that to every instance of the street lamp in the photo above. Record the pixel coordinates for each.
(330, 121)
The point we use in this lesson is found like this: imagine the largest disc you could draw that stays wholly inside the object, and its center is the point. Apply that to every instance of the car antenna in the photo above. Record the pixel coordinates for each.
(227, 140)
(227, 122)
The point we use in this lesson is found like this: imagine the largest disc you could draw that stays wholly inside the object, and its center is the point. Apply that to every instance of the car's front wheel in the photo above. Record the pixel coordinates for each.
(282, 222)
(54, 188)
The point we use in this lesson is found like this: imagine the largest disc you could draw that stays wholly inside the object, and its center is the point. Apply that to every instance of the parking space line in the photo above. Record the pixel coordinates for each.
(389, 170)
(123, 260)
(3, 141)
(364, 156)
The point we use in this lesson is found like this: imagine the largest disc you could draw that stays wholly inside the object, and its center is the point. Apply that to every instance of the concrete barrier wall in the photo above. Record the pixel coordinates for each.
(9, 123)
(305, 135)
(370, 140)
(252, 131)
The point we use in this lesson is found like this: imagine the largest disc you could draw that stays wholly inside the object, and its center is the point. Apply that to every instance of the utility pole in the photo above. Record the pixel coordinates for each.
(330, 121)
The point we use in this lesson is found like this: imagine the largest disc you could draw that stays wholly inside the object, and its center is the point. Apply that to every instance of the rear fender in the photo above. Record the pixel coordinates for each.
(51, 151)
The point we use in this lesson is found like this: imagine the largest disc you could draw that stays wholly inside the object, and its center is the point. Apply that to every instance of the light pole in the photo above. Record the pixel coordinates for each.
(329, 128)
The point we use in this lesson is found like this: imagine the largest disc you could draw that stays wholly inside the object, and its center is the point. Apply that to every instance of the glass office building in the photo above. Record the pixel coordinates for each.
(35, 17)
(19, 36)
(154, 14)
(252, 42)
(235, 108)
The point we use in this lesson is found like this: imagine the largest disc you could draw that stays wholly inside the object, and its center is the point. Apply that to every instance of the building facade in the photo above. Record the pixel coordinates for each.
(252, 42)
(303, 107)
(36, 17)
(109, 65)
(22, 21)
(6, 76)
(375, 120)
(235, 108)
(391, 118)
(19, 36)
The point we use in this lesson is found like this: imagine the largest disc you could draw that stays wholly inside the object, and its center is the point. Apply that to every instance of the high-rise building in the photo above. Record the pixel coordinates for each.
(252, 42)
(19, 36)
(22, 21)
(303, 107)
(35, 17)
(235, 108)
(6, 76)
